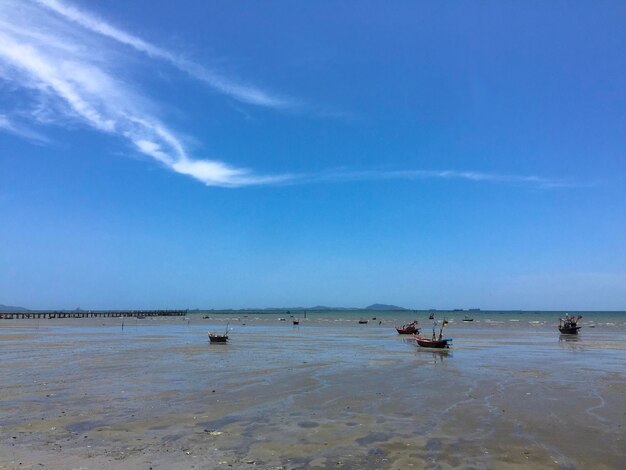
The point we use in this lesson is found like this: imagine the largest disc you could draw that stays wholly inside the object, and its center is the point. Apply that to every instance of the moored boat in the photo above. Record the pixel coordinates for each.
(432, 343)
(217, 338)
(568, 325)
(363, 322)
(438, 342)
(408, 328)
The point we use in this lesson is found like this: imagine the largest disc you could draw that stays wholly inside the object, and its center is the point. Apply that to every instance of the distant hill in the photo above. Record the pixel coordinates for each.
(9, 308)
(383, 307)
(324, 307)
(318, 308)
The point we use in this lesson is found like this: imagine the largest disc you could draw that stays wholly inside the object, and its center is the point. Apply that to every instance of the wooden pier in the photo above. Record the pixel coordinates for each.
(92, 314)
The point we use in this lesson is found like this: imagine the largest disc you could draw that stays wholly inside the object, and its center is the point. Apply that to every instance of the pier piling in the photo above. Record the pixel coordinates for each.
(53, 314)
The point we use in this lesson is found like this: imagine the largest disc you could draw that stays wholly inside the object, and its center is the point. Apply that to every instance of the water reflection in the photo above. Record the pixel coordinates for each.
(436, 357)
(571, 342)
(569, 338)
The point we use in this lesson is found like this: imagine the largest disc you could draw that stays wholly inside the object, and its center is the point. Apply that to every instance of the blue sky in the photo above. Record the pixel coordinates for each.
(256, 154)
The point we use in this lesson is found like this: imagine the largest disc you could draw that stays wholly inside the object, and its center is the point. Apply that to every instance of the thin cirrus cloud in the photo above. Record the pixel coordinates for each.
(243, 93)
(346, 175)
(65, 61)
(64, 72)
(21, 131)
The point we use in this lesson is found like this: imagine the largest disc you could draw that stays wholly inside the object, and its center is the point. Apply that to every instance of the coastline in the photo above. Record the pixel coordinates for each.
(327, 394)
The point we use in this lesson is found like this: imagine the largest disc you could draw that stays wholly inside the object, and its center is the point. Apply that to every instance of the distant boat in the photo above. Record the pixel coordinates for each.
(431, 316)
(568, 325)
(468, 318)
(296, 321)
(219, 338)
(363, 322)
(408, 328)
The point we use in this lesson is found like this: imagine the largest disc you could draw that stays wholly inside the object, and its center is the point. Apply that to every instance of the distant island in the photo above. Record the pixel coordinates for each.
(384, 307)
(10, 308)
(378, 307)
(319, 308)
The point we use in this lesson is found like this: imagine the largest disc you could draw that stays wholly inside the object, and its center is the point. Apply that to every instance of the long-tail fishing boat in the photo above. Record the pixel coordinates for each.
(438, 342)
(218, 337)
(568, 325)
(408, 328)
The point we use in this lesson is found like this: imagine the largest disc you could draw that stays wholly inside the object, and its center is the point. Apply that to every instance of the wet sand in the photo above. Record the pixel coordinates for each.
(86, 394)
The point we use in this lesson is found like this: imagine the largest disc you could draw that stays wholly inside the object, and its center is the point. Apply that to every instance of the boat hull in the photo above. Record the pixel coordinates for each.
(218, 338)
(432, 343)
(569, 330)
(409, 330)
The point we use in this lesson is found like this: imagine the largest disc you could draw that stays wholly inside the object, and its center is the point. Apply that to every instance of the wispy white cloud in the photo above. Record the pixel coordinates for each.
(66, 72)
(245, 93)
(343, 175)
(8, 125)
(63, 61)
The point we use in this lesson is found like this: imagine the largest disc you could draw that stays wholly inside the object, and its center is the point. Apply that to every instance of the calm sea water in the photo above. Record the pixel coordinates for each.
(616, 319)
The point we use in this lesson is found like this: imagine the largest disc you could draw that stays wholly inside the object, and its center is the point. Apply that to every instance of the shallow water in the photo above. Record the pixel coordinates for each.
(328, 393)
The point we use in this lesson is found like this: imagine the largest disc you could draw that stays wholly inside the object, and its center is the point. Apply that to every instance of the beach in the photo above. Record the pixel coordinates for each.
(329, 393)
